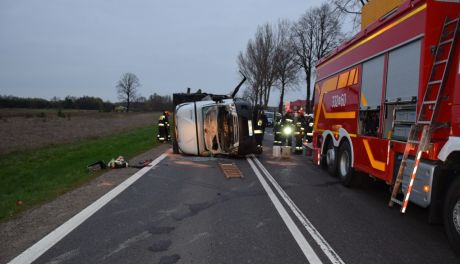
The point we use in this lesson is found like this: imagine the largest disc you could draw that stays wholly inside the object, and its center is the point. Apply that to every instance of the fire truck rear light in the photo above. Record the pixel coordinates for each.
(426, 188)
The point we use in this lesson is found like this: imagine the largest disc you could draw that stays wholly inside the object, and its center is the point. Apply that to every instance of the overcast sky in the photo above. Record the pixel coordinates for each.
(63, 47)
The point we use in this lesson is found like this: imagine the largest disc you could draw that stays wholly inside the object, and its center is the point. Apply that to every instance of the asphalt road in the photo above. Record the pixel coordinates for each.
(282, 211)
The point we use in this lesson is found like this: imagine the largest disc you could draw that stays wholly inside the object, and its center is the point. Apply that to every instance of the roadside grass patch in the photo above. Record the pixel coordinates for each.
(32, 177)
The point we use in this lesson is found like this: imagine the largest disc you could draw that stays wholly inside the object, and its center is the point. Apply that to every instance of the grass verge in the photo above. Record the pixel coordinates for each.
(36, 176)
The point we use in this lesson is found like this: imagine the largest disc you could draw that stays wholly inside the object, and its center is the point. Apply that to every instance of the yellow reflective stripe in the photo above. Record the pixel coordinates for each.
(363, 99)
(352, 77)
(337, 115)
(161, 125)
(343, 80)
(258, 131)
(376, 34)
(328, 85)
(375, 163)
(335, 133)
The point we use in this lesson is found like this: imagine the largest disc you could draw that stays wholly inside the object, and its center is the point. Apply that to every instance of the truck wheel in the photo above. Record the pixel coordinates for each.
(452, 215)
(344, 170)
(331, 159)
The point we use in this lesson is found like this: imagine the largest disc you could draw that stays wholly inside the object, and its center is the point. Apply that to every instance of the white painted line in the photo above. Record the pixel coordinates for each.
(36, 250)
(298, 236)
(319, 239)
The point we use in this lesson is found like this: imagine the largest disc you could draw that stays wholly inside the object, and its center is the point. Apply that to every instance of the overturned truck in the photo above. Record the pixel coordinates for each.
(207, 124)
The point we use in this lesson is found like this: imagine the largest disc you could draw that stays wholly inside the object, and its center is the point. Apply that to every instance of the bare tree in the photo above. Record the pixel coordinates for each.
(350, 10)
(316, 33)
(250, 95)
(327, 34)
(127, 88)
(285, 64)
(257, 63)
(247, 67)
(328, 31)
(303, 44)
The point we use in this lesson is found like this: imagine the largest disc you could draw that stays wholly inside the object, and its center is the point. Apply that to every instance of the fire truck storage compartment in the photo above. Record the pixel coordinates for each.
(423, 180)
(404, 118)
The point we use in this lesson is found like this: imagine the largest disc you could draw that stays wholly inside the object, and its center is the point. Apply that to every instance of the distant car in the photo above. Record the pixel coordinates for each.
(207, 124)
(270, 118)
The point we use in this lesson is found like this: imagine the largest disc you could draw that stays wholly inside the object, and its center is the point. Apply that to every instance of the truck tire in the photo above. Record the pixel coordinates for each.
(344, 169)
(452, 215)
(331, 159)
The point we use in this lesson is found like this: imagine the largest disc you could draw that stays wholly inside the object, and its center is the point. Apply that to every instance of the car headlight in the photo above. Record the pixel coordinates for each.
(287, 130)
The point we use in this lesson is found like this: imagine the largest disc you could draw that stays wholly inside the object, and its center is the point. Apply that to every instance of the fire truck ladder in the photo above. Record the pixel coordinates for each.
(419, 138)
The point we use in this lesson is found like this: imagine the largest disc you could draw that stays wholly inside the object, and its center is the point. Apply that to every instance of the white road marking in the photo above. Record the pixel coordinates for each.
(43, 245)
(298, 236)
(319, 239)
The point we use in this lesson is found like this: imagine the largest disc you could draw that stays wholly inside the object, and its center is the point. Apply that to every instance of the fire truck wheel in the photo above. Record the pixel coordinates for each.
(331, 159)
(344, 170)
(452, 215)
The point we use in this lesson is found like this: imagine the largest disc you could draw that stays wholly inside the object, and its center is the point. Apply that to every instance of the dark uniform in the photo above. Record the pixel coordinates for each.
(309, 128)
(278, 141)
(163, 128)
(299, 133)
(260, 122)
(287, 129)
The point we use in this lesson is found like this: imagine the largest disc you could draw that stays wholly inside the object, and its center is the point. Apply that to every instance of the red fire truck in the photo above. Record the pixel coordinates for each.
(400, 72)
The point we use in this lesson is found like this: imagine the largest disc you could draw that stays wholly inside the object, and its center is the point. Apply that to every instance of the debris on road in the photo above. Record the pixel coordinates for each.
(230, 170)
(98, 165)
(120, 162)
(142, 164)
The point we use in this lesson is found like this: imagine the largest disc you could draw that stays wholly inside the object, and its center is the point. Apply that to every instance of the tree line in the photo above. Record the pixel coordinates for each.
(279, 56)
(154, 102)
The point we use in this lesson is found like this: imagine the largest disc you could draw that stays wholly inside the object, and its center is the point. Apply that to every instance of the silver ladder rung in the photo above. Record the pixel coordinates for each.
(429, 102)
(434, 82)
(450, 22)
(394, 200)
(440, 62)
(423, 122)
(413, 141)
(446, 42)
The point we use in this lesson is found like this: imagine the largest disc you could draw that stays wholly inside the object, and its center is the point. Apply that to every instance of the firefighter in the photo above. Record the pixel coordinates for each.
(309, 130)
(287, 129)
(299, 132)
(163, 128)
(260, 122)
(277, 131)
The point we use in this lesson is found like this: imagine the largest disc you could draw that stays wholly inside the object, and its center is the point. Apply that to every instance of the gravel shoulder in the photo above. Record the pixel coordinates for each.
(21, 232)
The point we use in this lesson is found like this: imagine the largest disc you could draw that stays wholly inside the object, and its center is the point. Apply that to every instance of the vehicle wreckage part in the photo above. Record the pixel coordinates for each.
(230, 170)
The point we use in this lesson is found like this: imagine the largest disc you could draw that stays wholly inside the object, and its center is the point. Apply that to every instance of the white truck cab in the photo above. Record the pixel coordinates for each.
(207, 124)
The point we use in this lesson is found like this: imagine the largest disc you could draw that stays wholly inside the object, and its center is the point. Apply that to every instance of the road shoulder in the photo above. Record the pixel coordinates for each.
(19, 233)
